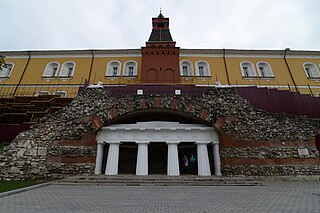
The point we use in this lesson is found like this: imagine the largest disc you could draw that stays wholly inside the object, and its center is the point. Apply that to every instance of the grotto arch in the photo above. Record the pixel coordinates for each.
(157, 114)
(160, 139)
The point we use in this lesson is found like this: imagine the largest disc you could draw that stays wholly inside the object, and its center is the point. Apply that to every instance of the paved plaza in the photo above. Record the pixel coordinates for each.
(270, 197)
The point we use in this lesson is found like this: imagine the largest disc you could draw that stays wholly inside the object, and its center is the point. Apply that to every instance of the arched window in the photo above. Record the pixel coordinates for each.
(311, 70)
(247, 70)
(67, 70)
(51, 70)
(6, 70)
(113, 69)
(264, 70)
(186, 68)
(202, 69)
(130, 69)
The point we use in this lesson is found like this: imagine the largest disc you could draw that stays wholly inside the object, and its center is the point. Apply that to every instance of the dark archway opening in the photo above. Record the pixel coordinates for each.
(105, 157)
(210, 155)
(188, 159)
(128, 158)
(157, 115)
(157, 155)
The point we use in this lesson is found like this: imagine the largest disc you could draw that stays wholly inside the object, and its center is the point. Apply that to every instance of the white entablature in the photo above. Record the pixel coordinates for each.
(157, 131)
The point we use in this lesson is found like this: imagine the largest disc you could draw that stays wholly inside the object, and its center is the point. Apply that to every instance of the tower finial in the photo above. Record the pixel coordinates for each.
(160, 10)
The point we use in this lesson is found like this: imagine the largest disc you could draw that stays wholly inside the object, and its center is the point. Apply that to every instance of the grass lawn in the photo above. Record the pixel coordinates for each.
(17, 184)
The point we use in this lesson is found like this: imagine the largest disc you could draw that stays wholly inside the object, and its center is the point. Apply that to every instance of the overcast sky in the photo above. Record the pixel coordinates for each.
(121, 24)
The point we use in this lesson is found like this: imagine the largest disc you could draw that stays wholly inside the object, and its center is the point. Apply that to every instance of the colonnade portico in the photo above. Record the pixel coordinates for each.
(144, 133)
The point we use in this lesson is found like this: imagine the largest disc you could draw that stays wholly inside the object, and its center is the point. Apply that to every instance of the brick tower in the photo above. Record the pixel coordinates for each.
(160, 57)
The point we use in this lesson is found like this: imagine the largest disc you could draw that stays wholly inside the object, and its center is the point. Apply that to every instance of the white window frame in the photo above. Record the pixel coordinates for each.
(251, 70)
(61, 93)
(127, 65)
(109, 69)
(206, 67)
(189, 65)
(6, 70)
(54, 75)
(65, 66)
(317, 77)
(42, 92)
(268, 66)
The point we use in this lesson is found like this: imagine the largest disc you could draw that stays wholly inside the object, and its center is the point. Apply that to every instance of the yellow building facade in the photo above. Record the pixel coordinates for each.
(30, 73)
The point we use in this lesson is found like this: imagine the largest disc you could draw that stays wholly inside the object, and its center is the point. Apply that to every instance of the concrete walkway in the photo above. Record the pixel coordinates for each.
(270, 197)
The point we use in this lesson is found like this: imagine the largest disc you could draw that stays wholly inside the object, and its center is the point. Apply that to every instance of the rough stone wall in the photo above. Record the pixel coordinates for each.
(59, 144)
(269, 157)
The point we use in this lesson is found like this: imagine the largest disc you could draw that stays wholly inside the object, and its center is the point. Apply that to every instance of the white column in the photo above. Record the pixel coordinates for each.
(100, 147)
(203, 159)
(173, 159)
(142, 158)
(216, 159)
(113, 158)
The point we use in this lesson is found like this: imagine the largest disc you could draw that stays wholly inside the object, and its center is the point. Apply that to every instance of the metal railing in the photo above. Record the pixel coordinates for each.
(13, 90)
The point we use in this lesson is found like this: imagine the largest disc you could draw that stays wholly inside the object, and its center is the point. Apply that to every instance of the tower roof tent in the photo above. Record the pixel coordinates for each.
(160, 15)
(160, 29)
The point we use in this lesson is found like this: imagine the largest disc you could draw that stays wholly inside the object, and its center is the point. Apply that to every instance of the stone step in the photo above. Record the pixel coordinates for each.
(158, 181)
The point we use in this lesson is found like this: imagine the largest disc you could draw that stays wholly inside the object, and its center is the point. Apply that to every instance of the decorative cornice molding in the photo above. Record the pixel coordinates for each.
(158, 132)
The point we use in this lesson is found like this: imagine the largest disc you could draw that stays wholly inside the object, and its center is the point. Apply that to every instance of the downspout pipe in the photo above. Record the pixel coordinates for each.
(225, 65)
(91, 65)
(24, 70)
(287, 64)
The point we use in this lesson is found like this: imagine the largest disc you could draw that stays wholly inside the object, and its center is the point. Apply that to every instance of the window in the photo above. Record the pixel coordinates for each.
(113, 69)
(160, 25)
(201, 72)
(130, 69)
(61, 93)
(186, 69)
(67, 70)
(311, 70)
(6, 70)
(247, 70)
(130, 72)
(202, 69)
(51, 70)
(264, 70)
(40, 93)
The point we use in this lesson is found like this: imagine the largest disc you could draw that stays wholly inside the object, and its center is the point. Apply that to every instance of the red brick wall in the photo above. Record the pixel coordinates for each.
(160, 63)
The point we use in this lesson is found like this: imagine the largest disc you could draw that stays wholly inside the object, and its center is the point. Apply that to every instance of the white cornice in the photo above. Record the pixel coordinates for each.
(252, 56)
(157, 131)
(213, 53)
(116, 55)
(304, 56)
(201, 55)
(62, 56)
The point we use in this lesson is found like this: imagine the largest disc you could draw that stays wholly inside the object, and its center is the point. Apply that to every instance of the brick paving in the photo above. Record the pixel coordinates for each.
(270, 197)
